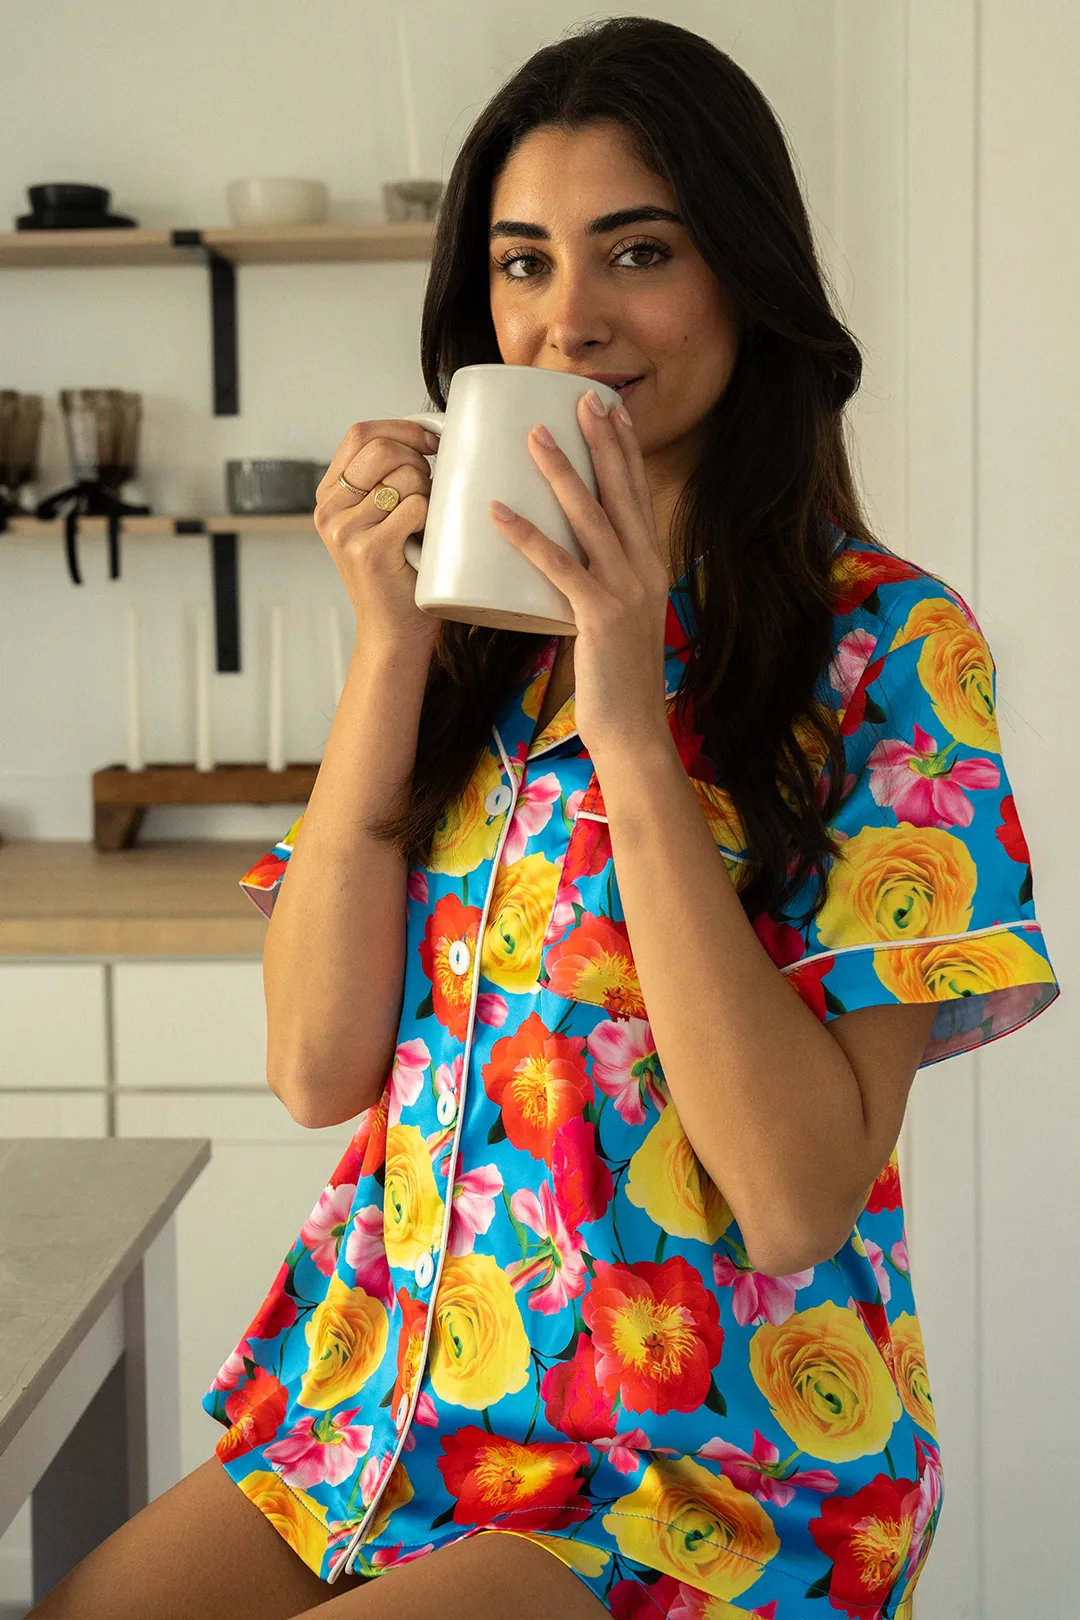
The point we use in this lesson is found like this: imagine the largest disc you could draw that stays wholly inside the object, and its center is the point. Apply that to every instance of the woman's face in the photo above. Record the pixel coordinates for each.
(631, 298)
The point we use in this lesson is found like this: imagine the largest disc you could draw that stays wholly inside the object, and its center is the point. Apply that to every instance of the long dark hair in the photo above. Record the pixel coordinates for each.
(774, 463)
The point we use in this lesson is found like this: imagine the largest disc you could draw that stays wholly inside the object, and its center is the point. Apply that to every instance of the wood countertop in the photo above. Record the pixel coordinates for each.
(61, 898)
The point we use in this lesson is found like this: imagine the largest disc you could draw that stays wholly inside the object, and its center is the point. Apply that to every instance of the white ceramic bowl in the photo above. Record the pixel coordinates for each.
(277, 202)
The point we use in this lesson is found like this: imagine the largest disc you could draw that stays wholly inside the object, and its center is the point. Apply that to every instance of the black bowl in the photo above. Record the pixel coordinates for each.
(89, 199)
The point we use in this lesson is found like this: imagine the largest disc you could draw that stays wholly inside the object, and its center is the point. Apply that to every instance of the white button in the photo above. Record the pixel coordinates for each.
(498, 800)
(425, 1270)
(446, 1107)
(402, 1408)
(458, 957)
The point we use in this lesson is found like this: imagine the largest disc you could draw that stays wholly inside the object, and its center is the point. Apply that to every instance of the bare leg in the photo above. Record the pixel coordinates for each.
(199, 1551)
(487, 1577)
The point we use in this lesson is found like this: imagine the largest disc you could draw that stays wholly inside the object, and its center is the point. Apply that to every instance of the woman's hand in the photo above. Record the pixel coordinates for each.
(620, 601)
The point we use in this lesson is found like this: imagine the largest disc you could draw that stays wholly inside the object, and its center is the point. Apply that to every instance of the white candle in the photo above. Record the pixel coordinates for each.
(135, 759)
(204, 744)
(275, 759)
(407, 102)
(337, 655)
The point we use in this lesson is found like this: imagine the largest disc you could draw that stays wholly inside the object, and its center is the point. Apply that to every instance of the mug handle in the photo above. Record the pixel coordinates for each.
(435, 420)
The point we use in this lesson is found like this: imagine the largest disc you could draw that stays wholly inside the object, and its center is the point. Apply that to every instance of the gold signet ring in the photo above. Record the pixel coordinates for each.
(386, 497)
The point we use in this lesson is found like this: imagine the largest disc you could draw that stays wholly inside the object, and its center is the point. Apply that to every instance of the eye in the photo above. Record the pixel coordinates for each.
(504, 264)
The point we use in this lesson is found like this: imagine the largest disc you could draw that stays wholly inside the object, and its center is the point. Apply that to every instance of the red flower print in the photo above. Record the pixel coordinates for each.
(410, 1343)
(868, 1537)
(588, 851)
(885, 1193)
(656, 1332)
(277, 1311)
(256, 1411)
(783, 943)
(1010, 835)
(876, 1323)
(535, 1486)
(806, 981)
(573, 1401)
(449, 923)
(593, 963)
(539, 1081)
(631, 1600)
(583, 1184)
(857, 575)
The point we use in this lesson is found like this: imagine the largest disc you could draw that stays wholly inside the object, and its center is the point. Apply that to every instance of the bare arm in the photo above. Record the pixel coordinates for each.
(334, 959)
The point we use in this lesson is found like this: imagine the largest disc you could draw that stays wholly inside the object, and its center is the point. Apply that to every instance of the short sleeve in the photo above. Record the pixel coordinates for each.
(931, 898)
(262, 883)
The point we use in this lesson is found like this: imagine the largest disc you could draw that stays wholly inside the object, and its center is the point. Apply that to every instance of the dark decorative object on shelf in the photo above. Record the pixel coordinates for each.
(63, 206)
(103, 435)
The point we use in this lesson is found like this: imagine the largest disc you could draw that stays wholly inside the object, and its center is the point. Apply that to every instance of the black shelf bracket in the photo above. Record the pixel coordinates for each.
(225, 575)
(226, 388)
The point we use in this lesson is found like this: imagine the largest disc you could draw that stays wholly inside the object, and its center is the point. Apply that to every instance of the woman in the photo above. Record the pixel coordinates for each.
(615, 1261)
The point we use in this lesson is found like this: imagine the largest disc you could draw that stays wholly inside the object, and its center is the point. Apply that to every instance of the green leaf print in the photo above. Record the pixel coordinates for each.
(444, 1517)
(821, 1586)
(1024, 897)
(426, 1008)
(497, 1133)
(833, 1003)
(874, 712)
(519, 1231)
(714, 1400)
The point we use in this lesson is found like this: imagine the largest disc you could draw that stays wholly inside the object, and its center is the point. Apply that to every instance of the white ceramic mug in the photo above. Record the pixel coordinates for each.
(467, 569)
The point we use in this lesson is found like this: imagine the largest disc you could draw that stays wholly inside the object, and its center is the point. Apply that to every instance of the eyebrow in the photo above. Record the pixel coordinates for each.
(595, 227)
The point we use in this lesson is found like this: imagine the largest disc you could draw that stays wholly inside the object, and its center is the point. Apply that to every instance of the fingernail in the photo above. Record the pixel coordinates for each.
(595, 403)
(501, 511)
(623, 414)
(542, 436)
(431, 440)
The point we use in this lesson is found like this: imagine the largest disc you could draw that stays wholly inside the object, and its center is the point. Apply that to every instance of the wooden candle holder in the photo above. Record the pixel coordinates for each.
(122, 797)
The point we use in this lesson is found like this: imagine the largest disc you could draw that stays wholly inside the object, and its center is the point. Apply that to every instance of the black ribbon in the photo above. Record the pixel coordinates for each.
(90, 498)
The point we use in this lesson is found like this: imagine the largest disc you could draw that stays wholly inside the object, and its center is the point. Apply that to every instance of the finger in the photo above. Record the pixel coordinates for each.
(635, 462)
(589, 519)
(564, 571)
(626, 499)
(407, 437)
(405, 478)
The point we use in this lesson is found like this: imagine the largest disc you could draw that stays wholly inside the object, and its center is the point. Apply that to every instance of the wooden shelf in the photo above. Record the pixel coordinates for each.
(256, 244)
(29, 528)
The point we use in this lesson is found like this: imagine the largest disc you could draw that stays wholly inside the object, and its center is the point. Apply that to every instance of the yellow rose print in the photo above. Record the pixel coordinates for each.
(479, 1348)
(666, 1179)
(911, 1376)
(412, 1208)
(826, 1382)
(346, 1335)
(466, 834)
(956, 669)
(579, 1555)
(521, 905)
(695, 1526)
(898, 883)
(294, 1514)
(961, 967)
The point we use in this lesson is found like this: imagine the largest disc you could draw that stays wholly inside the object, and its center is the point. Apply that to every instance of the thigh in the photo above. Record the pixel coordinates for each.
(199, 1551)
(486, 1577)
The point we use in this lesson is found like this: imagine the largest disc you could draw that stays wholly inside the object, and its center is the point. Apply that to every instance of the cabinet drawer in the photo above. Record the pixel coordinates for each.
(190, 1024)
(234, 1227)
(52, 1025)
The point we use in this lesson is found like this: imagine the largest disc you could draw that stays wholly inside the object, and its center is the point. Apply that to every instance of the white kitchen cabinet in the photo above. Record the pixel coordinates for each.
(234, 1227)
(52, 1025)
(190, 1023)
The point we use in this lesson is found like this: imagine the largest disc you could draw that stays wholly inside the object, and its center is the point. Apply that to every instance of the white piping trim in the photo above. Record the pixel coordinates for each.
(343, 1561)
(902, 944)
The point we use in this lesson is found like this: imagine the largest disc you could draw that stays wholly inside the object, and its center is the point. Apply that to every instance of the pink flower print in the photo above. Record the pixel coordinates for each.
(233, 1368)
(491, 1009)
(416, 886)
(448, 1077)
(411, 1063)
(472, 1207)
(849, 662)
(372, 1475)
(923, 786)
(365, 1251)
(929, 1501)
(425, 1411)
(877, 1260)
(322, 1450)
(899, 1256)
(321, 1233)
(692, 1604)
(622, 1449)
(532, 812)
(626, 1067)
(762, 1474)
(755, 1297)
(384, 1556)
(555, 1265)
(583, 1184)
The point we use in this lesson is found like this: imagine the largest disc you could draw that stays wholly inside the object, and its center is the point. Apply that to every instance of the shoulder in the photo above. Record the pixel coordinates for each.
(891, 600)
